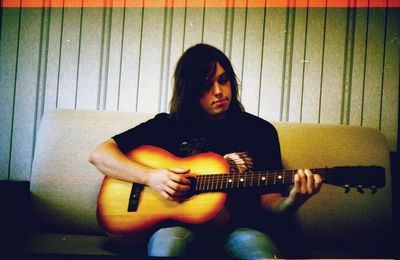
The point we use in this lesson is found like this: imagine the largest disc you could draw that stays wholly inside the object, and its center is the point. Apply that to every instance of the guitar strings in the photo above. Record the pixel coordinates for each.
(253, 178)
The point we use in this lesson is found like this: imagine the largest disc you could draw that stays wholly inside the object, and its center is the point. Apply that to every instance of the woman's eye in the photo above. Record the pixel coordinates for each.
(223, 80)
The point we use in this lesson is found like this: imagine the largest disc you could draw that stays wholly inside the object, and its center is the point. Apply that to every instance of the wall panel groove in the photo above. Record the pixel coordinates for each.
(104, 59)
(304, 62)
(348, 65)
(165, 59)
(383, 70)
(79, 59)
(59, 57)
(41, 76)
(139, 60)
(288, 63)
(264, 18)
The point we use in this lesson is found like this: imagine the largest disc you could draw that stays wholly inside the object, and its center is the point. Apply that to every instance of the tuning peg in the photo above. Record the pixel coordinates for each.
(374, 189)
(360, 188)
(346, 188)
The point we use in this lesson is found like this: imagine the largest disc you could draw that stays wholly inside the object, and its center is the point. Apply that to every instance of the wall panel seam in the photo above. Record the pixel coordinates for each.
(244, 48)
(348, 67)
(262, 59)
(322, 66)
(165, 58)
(41, 76)
(104, 59)
(79, 59)
(304, 67)
(228, 30)
(365, 67)
(383, 69)
(43, 100)
(60, 55)
(120, 56)
(140, 57)
(287, 64)
(184, 27)
(204, 20)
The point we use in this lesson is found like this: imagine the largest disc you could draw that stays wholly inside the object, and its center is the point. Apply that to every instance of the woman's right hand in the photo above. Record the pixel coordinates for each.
(172, 183)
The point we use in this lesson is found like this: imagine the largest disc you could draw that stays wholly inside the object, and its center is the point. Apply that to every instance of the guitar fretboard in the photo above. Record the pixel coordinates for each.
(257, 179)
(347, 176)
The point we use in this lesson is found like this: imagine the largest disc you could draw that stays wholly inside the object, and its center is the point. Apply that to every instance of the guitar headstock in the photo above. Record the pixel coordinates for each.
(359, 177)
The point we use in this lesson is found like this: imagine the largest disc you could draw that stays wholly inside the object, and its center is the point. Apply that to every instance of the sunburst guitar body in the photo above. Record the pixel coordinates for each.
(152, 208)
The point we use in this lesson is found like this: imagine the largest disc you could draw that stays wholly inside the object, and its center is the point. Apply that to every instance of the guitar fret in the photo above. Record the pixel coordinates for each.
(214, 182)
(198, 184)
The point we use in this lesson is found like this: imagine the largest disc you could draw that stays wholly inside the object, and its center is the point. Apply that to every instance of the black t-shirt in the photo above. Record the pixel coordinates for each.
(238, 136)
(242, 133)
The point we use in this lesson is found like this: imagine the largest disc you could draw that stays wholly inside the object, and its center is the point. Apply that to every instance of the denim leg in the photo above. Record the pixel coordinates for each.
(171, 241)
(246, 243)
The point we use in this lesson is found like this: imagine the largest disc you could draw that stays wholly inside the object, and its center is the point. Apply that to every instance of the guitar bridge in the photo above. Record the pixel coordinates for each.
(134, 197)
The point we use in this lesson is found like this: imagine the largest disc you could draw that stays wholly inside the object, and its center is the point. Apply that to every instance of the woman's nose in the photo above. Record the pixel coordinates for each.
(217, 89)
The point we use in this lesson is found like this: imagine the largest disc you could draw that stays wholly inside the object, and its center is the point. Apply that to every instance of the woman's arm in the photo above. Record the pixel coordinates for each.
(109, 160)
(306, 184)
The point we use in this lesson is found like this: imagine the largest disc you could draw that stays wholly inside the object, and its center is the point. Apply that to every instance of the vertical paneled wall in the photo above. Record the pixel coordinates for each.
(313, 65)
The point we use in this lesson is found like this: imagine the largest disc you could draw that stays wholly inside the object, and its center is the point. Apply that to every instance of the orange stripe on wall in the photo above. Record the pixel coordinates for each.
(201, 3)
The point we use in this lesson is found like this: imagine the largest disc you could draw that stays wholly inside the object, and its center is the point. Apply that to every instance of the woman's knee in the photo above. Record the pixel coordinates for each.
(171, 241)
(251, 244)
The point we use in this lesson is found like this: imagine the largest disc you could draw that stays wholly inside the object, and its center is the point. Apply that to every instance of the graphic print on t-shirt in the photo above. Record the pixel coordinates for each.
(239, 162)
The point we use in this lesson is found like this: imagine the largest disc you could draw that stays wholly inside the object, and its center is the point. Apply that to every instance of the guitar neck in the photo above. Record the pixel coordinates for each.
(339, 176)
(247, 180)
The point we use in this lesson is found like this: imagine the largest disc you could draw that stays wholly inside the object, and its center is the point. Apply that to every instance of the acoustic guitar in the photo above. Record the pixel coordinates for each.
(125, 208)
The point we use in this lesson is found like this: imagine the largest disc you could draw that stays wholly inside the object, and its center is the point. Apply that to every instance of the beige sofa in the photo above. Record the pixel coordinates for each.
(64, 186)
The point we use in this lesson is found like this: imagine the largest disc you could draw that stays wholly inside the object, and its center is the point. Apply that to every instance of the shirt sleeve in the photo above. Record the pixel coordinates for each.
(267, 148)
(275, 153)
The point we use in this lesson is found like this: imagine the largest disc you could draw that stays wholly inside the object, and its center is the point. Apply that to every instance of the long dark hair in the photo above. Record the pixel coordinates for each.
(195, 65)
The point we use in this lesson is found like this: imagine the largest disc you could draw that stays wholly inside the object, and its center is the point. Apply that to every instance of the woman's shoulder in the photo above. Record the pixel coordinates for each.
(164, 119)
(256, 121)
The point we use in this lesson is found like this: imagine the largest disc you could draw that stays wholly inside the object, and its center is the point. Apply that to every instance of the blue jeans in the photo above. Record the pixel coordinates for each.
(243, 243)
